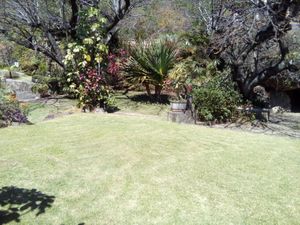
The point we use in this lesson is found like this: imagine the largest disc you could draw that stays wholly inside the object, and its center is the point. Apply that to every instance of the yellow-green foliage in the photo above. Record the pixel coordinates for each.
(84, 60)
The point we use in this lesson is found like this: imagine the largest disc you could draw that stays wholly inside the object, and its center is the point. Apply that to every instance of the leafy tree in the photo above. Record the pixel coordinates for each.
(153, 19)
(45, 25)
(250, 37)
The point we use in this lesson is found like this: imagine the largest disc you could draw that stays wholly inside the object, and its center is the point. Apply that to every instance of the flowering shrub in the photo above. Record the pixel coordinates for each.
(93, 90)
(84, 62)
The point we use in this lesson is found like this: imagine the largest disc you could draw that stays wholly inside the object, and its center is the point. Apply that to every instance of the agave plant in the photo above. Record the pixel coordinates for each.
(150, 65)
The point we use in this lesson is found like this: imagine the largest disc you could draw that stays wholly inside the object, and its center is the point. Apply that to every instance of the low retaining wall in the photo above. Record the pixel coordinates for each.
(21, 88)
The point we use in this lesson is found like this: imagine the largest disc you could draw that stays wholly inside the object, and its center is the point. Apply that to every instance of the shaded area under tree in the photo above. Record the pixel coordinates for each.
(16, 202)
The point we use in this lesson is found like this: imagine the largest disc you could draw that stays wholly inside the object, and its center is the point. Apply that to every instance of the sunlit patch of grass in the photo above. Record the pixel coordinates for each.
(116, 169)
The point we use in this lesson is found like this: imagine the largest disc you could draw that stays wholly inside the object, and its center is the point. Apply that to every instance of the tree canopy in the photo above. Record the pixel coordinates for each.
(42, 25)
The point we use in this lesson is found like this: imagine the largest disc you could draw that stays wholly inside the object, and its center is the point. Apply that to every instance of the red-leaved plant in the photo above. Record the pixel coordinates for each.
(93, 90)
(114, 67)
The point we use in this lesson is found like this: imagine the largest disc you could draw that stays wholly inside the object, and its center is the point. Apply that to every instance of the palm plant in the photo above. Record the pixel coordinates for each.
(150, 65)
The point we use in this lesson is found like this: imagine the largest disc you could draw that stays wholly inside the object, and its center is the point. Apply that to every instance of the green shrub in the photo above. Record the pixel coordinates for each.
(216, 100)
(184, 74)
(30, 62)
(41, 88)
(54, 84)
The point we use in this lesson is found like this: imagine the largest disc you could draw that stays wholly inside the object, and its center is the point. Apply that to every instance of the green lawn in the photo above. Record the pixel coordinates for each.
(39, 111)
(116, 169)
(138, 102)
(132, 103)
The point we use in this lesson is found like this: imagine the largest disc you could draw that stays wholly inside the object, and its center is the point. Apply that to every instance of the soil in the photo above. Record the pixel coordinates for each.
(284, 124)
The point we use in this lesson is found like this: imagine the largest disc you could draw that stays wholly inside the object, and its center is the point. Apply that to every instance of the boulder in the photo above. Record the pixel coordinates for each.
(277, 110)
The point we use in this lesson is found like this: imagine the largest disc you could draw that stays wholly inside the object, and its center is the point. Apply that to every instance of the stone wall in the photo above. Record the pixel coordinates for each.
(21, 88)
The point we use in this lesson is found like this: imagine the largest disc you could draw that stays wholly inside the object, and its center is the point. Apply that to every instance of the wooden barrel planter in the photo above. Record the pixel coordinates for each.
(178, 106)
(179, 112)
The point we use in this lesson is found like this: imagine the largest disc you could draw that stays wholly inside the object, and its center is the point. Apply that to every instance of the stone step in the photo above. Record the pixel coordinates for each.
(18, 85)
(22, 88)
(25, 96)
(14, 74)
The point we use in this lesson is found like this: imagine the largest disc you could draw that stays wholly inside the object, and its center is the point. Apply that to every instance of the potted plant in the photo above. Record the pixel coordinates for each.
(178, 105)
(180, 79)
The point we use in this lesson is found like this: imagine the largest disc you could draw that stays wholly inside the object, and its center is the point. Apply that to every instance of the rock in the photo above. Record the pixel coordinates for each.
(277, 109)
(11, 74)
(4, 73)
(50, 117)
(3, 123)
(21, 88)
(99, 110)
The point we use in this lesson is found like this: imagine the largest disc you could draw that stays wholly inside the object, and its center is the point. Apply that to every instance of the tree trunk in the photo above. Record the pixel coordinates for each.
(243, 86)
(10, 73)
(147, 86)
(158, 89)
(245, 89)
(49, 69)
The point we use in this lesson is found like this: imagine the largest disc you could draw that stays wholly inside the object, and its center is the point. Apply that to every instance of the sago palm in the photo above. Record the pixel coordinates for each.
(150, 65)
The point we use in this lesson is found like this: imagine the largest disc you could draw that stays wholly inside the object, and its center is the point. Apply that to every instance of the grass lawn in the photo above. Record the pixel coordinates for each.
(39, 111)
(138, 102)
(133, 102)
(116, 169)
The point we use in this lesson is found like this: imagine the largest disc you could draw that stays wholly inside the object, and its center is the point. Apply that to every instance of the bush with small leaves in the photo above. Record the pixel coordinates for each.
(216, 100)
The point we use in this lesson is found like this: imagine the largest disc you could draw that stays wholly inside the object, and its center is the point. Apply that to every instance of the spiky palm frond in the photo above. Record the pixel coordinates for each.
(150, 64)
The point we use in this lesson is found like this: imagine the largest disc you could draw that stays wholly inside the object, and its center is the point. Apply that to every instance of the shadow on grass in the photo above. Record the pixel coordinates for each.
(16, 202)
(112, 109)
(77, 224)
(144, 98)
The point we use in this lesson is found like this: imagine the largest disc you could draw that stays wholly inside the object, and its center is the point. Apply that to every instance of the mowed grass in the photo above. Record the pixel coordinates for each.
(139, 102)
(116, 169)
(132, 103)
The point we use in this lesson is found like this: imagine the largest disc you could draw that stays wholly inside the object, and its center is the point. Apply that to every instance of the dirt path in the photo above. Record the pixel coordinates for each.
(286, 124)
